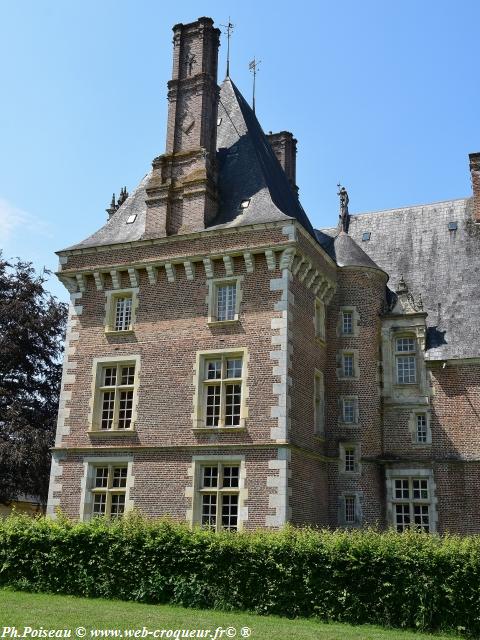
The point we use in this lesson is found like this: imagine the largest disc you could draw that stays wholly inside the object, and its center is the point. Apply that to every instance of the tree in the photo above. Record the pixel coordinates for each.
(32, 326)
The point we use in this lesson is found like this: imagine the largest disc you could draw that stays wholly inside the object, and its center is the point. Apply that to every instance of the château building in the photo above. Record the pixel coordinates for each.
(229, 365)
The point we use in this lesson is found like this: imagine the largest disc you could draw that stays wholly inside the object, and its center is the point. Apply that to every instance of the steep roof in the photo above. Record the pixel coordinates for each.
(342, 248)
(441, 265)
(248, 170)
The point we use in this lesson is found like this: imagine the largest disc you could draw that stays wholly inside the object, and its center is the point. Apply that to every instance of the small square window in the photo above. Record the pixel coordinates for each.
(244, 204)
(219, 121)
(121, 307)
(452, 226)
(366, 236)
(131, 219)
(224, 300)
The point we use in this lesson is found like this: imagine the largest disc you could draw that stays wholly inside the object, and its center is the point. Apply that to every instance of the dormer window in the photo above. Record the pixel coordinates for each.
(244, 204)
(405, 360)
(131, 219)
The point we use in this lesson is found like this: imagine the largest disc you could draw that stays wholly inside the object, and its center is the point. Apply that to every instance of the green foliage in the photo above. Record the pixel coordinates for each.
(408, 580)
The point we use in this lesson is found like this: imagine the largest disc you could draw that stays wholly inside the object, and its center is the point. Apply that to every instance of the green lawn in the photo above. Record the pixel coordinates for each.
(18, 609)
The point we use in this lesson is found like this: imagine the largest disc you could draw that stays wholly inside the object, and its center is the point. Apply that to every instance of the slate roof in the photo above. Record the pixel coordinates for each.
(441, 265)
(343, 249)
(248, 169)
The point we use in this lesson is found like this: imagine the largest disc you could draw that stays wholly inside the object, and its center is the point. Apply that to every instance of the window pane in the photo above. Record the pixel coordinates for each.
(406, 370)
(349, 411)
(119, 477)
(214, 369)
(209, 511)
(108, 400)
(232, 404)
(349, 509)
(226, 299)
(212, 411)
(231, 476)
(210, 477)
(99, 504)
(109, 376)
(402, 491)
(347, 322)
(420, 489)
(405, 344)
(118, 504)
(128, 374)
(125, 410)
(234, 368)
(230, 512)
(123, 314)
(348, 365)
(421, 517)
(101, 477)
(402, 516)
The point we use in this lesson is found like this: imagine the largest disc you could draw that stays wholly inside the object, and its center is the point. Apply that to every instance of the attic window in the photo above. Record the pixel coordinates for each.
(219, 122)
(244, 204)
(131, 219)
(452, 226)
(366, 236)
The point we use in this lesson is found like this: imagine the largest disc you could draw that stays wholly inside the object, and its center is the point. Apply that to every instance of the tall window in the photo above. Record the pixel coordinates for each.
(319, 397)
(411, 503)
(348, 365)
(405, 358)
(349, 410)
(123, 313)
(347, 322)
(219, 496)
(421, 434)
(349, 509)
(349, 459)
(222, 390)
(226, 301)
(115, 396)
(319, 319)
(109, 490)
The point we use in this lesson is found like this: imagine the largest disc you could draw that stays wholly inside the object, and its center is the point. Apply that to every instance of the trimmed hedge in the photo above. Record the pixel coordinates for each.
(399, 580)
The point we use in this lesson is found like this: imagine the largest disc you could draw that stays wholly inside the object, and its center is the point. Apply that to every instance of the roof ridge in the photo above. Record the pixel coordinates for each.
(409, 206)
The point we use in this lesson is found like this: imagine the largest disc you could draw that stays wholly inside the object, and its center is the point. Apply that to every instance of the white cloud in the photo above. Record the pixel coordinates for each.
(13, 220)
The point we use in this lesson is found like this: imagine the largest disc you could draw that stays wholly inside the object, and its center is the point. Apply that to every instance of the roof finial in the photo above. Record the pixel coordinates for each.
(344, 215)
(112, 208)
(253, 66)
(229, 28)
(402, 285)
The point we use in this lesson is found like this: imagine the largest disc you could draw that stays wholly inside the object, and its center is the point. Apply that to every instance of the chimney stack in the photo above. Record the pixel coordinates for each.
(182, 193)
(284, 146)
(475, 173)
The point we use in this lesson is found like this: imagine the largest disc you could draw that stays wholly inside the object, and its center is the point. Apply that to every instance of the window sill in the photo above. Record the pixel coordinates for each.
(341, 423)
(223, 323)
(112, 332)
(320, 341)
(111, 432)
(218, 429)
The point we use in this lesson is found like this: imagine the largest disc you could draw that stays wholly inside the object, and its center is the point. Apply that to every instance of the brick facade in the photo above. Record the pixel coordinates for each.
(327, 435)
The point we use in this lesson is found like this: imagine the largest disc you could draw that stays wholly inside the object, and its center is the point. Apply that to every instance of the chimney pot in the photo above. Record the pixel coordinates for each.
(284, 146)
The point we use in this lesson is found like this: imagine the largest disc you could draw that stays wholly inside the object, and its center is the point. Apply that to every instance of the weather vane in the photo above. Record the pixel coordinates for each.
(253, 66)
(229, 28)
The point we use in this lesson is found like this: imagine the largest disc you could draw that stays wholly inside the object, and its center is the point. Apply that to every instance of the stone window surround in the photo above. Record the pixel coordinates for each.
(412, 426)
(213, 284)
(358, 495)
(393, 473)
(319, 402)
(356, 420)
(356, 367)
(90, 464)
(319, 315)
(341, 458)
(198, 418)
(110, 307)
(355, 322)
(94, 403)
(193, 514)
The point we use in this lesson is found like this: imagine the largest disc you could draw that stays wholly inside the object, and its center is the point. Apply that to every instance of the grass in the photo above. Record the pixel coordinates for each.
(19, 609)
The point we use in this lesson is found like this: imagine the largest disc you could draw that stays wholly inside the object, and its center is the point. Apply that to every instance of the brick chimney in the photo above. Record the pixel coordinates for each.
(475, 173)
(284, 146)
(182, 193)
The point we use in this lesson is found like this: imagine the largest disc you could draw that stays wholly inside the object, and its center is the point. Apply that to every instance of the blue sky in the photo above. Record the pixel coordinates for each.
(382, 96)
